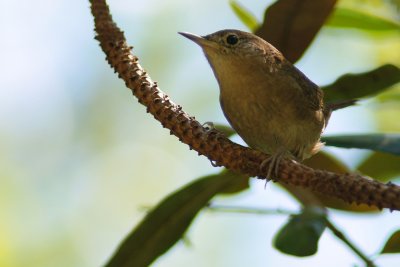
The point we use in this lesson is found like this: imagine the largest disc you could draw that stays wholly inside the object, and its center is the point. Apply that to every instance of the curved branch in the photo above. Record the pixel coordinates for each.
(216, 147)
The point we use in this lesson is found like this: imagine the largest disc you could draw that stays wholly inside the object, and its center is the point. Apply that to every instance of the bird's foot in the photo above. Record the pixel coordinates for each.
(272, 163)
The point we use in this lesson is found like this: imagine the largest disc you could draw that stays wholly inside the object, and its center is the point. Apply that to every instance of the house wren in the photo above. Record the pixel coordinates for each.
(271, 104)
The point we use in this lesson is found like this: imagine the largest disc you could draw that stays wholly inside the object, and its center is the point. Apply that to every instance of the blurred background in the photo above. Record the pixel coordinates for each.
(81, 161)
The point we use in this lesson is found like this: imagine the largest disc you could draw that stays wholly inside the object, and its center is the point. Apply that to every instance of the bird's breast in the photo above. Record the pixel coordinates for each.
(270, 116)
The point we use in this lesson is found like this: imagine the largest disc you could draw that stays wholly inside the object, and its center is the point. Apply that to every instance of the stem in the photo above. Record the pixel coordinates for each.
(241, 209)
(339, 234)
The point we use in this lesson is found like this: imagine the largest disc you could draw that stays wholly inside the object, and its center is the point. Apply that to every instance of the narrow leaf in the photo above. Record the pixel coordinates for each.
(244, 15)
(300, 236)
(354, 86)
(351, 18)
(393, 244)
(168, 221)
(381, 166)
(291, 25)
(389, 143)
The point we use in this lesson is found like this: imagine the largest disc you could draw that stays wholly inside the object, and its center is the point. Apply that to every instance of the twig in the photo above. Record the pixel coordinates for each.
(247, 210)
(339, 234)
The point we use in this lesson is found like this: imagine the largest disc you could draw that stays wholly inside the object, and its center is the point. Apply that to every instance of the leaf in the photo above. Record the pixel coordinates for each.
(393, 244)
(381, 166)
(351, 18)
(389, 143)
(291, 25)
(168, 221)
(244, 15)
(300, 236)
(354, 86)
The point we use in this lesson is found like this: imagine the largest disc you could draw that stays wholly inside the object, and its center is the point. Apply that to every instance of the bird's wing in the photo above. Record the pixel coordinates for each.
(311, 91)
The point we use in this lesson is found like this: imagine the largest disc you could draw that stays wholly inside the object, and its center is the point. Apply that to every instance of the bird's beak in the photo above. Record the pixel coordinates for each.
(201, 41)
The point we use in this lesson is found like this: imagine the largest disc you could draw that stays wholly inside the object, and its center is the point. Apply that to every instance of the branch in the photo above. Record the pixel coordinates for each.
(215, 146)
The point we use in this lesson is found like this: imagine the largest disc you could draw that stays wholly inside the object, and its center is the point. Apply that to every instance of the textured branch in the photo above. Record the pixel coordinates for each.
(216, 147)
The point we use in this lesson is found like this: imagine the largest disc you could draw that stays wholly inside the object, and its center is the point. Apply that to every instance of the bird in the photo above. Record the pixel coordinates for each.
(269, 102)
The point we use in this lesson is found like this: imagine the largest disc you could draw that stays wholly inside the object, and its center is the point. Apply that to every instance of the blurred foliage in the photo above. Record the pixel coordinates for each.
(367, 84)
(389, 143)
(396, 4)
(244, 15)
(78, 157)
(381, 166)
(166, 223)
(392, 244)
(300, 235)
(291, 26)
(350, 18)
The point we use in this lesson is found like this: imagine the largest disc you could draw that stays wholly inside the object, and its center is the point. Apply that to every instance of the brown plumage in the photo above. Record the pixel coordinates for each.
(271, 104)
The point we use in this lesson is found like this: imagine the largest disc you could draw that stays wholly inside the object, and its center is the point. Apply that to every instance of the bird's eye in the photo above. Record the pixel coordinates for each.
(232, 39)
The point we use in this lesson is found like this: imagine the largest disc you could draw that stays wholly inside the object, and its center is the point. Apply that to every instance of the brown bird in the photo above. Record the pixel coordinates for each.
(271, 104)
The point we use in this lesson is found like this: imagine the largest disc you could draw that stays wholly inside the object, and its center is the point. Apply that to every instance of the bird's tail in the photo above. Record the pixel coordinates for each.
(332, 106)
(340, 104)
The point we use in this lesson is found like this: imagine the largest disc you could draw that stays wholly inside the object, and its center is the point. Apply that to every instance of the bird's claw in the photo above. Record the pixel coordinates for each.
(272, 163)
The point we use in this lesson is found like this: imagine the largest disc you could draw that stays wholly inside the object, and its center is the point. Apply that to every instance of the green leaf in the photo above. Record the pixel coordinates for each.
(381, 166)
(389, 143)
(354, 86)
(393, 244)
(299, 237)
(351, 18)
(244, 15)
(168, 221)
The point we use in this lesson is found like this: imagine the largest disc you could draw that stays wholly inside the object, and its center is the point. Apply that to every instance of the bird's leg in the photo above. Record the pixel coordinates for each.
(273, 162)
